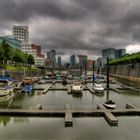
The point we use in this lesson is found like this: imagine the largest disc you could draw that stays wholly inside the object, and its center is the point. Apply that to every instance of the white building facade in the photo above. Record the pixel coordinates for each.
(22, 33)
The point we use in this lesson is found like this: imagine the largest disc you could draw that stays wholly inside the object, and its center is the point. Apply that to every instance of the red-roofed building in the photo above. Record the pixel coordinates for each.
(89, 64)
(39, 57)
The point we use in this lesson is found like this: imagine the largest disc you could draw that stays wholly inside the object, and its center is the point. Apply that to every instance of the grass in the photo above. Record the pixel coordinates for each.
(10, 68)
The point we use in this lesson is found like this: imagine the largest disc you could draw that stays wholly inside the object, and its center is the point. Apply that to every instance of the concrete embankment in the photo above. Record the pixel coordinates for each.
(128, 80)
(128, 74)
(20, 74)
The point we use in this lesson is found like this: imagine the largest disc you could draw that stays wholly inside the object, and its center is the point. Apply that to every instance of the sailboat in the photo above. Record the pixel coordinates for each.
(109, 103)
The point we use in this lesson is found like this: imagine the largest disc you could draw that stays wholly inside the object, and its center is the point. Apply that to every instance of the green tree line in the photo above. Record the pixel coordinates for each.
(9, 55)
(128, 59)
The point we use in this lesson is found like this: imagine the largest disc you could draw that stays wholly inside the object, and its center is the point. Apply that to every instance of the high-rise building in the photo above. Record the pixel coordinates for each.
(108, 53)
(51, 55)
(82, 60)
(119, 53)
(72, 61)
(21, 33)
(59, 61)
(48, 55)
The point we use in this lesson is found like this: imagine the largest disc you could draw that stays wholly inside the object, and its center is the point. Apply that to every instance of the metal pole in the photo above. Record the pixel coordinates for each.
(93, 72)
(107, 67)
(85, 68)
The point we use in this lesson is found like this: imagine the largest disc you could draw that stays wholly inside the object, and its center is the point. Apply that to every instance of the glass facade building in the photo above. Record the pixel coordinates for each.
(14, 43)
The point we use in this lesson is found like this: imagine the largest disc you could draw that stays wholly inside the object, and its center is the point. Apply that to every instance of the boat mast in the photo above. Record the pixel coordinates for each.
(107, 67)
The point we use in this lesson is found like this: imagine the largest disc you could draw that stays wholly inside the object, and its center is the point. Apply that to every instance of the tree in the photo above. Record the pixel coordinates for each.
(1, 54)
(8, 53)
(30, 60)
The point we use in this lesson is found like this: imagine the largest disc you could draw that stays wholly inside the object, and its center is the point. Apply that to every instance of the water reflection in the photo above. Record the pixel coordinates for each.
(77, 95)
(4, 120)
(21, 120)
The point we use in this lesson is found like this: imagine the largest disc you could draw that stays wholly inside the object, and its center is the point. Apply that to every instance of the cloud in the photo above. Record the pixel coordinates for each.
(75, 26)
(133, 48)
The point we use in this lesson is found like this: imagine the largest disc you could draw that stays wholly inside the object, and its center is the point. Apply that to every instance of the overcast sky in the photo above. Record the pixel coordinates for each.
(76, 26)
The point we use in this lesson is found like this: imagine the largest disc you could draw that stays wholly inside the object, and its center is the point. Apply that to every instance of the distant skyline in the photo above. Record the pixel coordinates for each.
(75, 26)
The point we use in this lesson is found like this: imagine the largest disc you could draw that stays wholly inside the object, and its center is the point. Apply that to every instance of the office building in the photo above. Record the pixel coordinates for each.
(72, 61)
(14, 43)
(59, 61)
(82, 60)
(119, 53)
(108, 53)
(21, 33)
(51, 55)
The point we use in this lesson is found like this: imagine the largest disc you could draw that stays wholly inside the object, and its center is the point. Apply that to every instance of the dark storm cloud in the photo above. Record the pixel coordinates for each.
(22, 10)
(75, 26)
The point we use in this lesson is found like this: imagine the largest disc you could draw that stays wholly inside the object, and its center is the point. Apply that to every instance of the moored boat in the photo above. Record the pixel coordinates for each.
(98, 88)
(6, 86)
(76, 87)
(110, 104)
(27, 85)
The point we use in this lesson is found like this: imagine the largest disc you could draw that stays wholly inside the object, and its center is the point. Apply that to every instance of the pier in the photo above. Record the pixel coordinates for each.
(37, 107)
(68, 113)
(68, 116)
(90, 89)
(108, 115)
(46, 89)
(69, 89)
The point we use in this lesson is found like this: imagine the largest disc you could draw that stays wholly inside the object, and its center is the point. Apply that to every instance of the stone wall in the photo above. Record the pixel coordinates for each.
(126, 70)
(19, 75)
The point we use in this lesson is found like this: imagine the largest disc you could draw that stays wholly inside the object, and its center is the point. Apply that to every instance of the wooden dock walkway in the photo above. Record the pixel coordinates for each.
(68, 116)
(37, 107)
(46, 89)
(128, 105)
(112, 120)
(69, 89)
(68, 113)
(90, 89)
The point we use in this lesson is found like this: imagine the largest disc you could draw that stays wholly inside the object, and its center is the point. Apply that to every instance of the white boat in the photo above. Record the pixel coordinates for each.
(98, 88)
(76, 87)
(6, 87)
(110, 104)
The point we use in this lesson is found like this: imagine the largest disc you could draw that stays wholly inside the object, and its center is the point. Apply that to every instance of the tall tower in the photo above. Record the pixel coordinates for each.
(82, 61)
(110, 52)
(59, 61)
(72, 61)
(53, 57)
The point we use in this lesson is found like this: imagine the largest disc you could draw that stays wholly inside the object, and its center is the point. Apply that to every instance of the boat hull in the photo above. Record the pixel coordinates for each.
(76, 91)
(110, 106)
(6, 91)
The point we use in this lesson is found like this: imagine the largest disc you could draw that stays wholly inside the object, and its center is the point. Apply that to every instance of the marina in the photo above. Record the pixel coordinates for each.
(71, 100)
(55, 101)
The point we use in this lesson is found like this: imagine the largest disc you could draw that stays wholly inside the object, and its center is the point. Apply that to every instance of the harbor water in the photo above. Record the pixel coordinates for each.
(84, 128)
